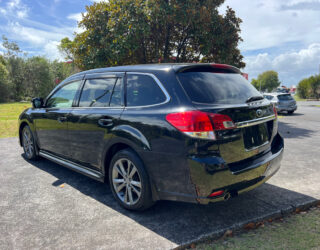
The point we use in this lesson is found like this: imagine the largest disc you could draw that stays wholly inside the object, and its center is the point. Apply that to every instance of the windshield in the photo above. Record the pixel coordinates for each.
(217, 88)
(285, 97)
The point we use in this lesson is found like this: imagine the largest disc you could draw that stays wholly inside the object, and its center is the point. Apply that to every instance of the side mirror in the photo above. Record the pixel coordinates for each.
(37, 102)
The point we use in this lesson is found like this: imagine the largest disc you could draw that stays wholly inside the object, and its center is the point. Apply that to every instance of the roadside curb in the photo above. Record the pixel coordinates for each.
(240, 226)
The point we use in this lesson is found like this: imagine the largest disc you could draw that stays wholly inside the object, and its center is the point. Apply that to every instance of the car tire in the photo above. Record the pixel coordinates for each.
(290, 112)
(129, 181)
(28, 143)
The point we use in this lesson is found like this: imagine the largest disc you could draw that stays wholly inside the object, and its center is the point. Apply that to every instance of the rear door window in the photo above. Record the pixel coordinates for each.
(142, 90)
(217, 88)
(97, 92)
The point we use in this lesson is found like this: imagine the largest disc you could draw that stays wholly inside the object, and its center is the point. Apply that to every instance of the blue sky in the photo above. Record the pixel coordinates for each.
(281, 35)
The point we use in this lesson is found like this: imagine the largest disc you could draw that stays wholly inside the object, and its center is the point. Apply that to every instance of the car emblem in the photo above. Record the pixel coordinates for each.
(259, 112)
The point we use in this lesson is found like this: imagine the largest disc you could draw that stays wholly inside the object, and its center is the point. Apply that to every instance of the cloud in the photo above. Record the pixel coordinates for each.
(266, 24)
(15, 8)
(314, 5)
(51, 51)
(41, 40)
(76, 16)
(291, 66)
(2, 49)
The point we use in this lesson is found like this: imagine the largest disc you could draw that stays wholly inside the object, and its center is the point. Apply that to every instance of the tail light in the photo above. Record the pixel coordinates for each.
(216, 194)
(200, 124)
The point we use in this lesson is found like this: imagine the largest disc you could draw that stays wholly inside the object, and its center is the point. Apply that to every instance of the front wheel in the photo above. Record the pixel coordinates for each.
(290, 112)
(28, 144)
(129, 181)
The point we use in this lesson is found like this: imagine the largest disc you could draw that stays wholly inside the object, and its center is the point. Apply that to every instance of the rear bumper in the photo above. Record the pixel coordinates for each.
(286, 108)
(209, 175)
(239, 178)
(252, 178)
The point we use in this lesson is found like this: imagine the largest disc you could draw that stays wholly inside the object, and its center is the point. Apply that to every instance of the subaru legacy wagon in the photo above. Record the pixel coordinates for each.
(184, 132)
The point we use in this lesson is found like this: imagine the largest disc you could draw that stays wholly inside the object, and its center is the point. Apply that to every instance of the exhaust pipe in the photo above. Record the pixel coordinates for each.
(227, 196)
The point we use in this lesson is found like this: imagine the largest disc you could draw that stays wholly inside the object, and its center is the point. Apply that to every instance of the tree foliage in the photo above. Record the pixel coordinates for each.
(22, 78)
(65, 48)
(268, 80)
(3, 80)
(121, 32)
(309, 87)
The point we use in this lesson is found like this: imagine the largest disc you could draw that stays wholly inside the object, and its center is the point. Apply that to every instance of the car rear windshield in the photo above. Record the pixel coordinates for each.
(217, 88)
(287, 97)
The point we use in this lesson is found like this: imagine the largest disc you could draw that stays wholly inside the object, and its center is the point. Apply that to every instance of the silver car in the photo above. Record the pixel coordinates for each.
(283, 102)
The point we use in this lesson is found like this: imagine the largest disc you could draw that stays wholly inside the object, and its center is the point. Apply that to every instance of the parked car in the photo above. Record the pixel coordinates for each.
(283, 102)
(184, 132)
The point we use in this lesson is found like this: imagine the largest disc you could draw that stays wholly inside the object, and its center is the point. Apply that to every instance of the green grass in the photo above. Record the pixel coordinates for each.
(318, 106)
(299, 231)
(298, 99)
(9, 114)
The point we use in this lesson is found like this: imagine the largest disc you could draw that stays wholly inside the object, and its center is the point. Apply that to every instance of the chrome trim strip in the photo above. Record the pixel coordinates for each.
(83, 170)
(168, 98)
(255, 121)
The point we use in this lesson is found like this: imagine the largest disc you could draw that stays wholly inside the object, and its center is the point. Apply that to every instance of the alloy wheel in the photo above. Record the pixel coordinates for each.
(126, 181)
(28, 143)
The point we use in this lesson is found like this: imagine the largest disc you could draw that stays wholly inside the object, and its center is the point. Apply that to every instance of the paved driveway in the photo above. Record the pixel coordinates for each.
(43, 205)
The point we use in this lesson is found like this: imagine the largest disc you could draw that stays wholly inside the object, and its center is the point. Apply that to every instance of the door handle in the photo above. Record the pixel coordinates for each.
(105, 122)
(62, 119)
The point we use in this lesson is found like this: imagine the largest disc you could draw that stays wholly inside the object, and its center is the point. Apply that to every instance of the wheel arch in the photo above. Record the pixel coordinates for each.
(111, 151)
(21, 126)
(116, 147)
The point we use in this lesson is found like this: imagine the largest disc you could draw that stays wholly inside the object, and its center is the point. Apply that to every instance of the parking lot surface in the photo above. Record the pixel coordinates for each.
(44, 205)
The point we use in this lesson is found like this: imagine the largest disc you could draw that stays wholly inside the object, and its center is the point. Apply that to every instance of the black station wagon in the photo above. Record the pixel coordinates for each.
(187, 132)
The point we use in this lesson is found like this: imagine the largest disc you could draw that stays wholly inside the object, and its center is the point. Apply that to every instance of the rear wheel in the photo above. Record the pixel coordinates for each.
(28, 143)
(290, 112)
(129, 181)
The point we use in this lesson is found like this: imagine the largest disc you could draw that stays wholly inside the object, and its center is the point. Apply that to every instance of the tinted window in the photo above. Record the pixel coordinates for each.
(97, 92)
(143, 90)
(221, 88)
(64, 96)
(116, 98)
(285, 97)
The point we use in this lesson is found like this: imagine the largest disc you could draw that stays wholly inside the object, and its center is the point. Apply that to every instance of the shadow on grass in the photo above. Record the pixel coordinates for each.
(185, 222)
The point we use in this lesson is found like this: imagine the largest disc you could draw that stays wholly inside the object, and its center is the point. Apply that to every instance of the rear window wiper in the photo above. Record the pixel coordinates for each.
(254, 98)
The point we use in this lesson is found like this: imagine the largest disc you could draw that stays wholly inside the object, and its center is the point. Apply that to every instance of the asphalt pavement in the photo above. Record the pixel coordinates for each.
(44, 205)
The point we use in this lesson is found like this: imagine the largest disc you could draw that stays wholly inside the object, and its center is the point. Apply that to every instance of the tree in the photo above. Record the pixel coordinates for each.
(315, 86)
(304, 88)
(22, 78)
(15, 68)
(65, 48)
(3, 81)
(38, 79)
(268, 80)
(121, 32)
(309, 87)
(61, 70)
(12, 48)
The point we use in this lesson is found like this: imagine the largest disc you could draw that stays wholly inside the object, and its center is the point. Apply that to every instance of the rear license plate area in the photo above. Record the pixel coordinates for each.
(255, 136)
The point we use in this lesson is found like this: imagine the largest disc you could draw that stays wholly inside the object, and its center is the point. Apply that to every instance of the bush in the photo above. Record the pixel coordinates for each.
(309, 87)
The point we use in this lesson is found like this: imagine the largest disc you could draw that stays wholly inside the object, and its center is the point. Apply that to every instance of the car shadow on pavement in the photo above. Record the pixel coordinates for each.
(293, 114)
(184, 222)
(289, 130)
